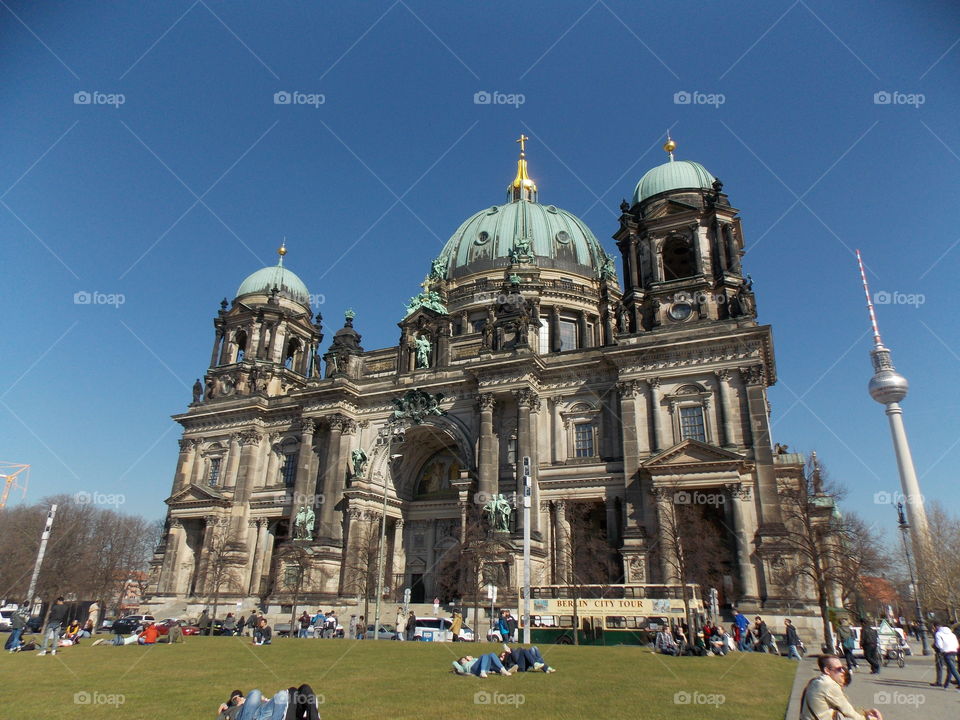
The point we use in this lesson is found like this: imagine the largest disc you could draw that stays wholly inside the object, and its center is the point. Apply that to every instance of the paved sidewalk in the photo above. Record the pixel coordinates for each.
(899, 694)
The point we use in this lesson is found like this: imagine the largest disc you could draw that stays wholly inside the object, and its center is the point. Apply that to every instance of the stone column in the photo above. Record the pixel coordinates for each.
(188, 450)
(218, 340)
(196, 471)
(525, 400)
(727, 438)
(209, 531)
(582, 340)
(304, 463)
(259, 551)
(554, 329)
(330, 527)
(556, 428)
(745, 529)
(613, 521)
(535, 465)
(249, 455)
(754, 378)
(668, 531)
(171, 556)
(399, 563)
(233, 462)
(634, 501)
(487, 451)
(655, 421)
(561, 530)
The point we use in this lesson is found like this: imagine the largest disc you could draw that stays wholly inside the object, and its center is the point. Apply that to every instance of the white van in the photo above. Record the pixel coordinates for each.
(431, 629)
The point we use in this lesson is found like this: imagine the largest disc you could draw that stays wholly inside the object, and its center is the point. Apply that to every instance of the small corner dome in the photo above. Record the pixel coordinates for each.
(287, 283)
(673, 175)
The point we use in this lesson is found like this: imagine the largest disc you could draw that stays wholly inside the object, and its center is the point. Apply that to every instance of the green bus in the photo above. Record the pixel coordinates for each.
(607, 614)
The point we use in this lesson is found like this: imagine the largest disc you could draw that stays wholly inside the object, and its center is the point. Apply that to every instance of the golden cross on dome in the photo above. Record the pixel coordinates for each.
(522, 140)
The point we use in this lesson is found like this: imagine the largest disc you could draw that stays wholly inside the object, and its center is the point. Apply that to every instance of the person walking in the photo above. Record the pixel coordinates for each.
(793, 640)
(870, 642)
(764, 638)
(51, 633)
(411, 625)
(743, 630)
(946, 642)
(204, 622)
(456, 625)
(823, 697)
(241, 624)
(401, 625)
(304, 621)
(847, 643)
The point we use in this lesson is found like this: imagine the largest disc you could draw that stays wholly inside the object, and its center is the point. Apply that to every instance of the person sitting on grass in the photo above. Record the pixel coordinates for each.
(149, 635)
(665, 643)
(72, 633)
(469, 665)
(230, 710)
(263, 635)
(717, 643)
(524, 659)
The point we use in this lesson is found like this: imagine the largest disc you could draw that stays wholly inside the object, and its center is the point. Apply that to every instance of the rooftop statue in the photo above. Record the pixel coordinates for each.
(423, 347)
(429, 299)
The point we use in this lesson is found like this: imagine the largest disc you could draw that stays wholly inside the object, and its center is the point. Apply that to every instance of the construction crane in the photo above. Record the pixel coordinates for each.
(15, 477)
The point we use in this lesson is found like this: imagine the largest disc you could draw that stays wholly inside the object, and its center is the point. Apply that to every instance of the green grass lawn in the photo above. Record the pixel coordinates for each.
(387, 680)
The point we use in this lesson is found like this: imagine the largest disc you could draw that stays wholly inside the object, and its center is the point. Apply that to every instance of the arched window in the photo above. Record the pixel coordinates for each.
(293, 353)
(240, 341)
(678, 258)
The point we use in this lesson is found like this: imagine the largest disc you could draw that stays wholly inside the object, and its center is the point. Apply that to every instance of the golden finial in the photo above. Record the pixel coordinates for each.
(282, 250)
(522, 187)
(669, 146)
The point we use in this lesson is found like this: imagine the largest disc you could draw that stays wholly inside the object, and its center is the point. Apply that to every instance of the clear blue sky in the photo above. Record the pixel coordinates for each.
(173, 197)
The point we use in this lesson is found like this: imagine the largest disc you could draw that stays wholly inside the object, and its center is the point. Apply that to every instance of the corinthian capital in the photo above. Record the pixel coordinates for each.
(486, 401)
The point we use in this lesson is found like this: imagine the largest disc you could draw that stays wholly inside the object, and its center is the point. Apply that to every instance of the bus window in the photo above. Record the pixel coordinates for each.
(565, 621)
(615, 622)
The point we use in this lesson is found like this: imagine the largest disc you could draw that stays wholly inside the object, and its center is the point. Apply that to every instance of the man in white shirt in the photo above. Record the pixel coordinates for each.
(946, 642)
(823, 697)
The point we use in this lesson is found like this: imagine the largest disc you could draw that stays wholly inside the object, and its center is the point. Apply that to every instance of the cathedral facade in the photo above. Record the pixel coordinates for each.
(630, 396)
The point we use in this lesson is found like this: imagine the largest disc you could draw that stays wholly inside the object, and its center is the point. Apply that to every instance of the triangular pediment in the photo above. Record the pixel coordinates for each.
(194, 494)
(429, 315)
(692, 452)
(670, 207)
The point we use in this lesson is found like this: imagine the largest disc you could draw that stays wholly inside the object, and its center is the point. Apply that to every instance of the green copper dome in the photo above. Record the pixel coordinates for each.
(264, 280)
(554, 237)
(673, 175)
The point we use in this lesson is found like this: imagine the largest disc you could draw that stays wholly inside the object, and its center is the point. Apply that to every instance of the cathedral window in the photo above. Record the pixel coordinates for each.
(213, 477)
(241, 344)
(583, 440)
(289, 470)
(568, 335)
(512, 451)
(678, 259)
(691, 423)
(543, 335)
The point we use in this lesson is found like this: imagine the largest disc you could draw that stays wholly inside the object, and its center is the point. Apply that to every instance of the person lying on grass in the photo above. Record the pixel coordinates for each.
(469, 665)
(524, 659)
(230, 710)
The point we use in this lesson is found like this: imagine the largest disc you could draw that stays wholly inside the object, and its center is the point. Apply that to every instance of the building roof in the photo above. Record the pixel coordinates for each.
(673, 175)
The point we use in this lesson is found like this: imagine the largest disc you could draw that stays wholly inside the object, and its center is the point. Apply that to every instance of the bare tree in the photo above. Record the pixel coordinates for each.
(360, 570)
(220, 566)
(939, 574)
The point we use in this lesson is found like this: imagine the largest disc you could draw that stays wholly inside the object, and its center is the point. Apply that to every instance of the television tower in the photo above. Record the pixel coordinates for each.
(888, 387)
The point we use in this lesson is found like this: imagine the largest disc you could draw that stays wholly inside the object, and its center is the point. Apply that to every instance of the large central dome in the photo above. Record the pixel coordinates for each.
(555, 238)
(558, 239)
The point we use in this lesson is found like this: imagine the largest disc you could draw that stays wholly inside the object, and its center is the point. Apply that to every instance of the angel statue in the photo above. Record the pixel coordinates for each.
(359, 459)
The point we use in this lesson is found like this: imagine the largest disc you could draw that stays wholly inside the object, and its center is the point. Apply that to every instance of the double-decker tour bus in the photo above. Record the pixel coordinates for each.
(607, 614)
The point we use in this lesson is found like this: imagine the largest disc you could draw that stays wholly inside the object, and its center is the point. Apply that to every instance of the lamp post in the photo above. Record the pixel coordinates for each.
(904, 530)
(393, 435)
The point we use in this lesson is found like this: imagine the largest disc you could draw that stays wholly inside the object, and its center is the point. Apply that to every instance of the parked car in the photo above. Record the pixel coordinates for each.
(5, 617)
(130, 623)
(107, 624)
(431, 629)
(387, 632)
(163, 627)
(281, 629)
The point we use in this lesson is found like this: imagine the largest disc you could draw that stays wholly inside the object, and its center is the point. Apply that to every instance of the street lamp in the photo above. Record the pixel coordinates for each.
(904, 530)
(394, 435)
